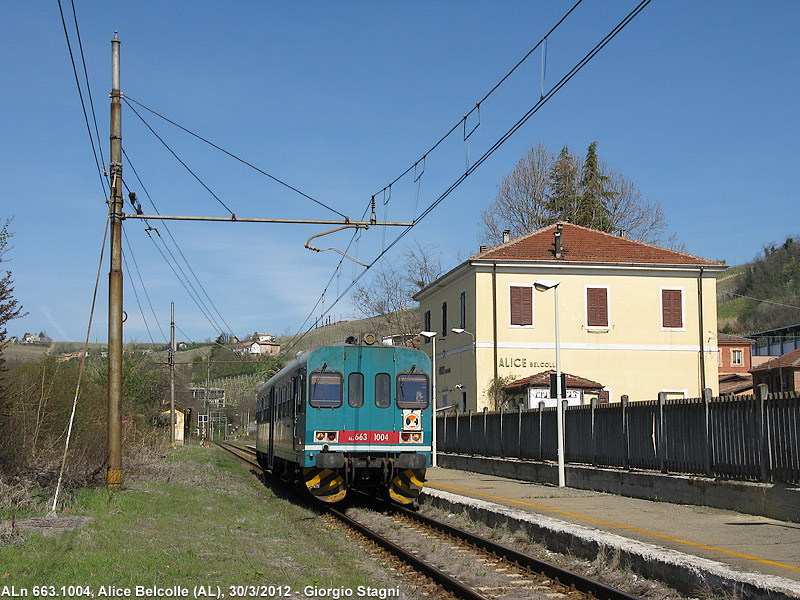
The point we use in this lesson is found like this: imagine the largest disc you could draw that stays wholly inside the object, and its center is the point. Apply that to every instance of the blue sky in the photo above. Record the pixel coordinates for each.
(696, 102)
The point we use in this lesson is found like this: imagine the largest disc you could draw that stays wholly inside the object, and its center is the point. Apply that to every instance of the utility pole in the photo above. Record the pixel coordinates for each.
(208, 404)
(172, 374)
(114, 468)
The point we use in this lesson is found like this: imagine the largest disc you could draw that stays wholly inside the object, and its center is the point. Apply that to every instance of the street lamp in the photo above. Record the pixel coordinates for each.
(431, 335)
(459, 331)
(542, 285)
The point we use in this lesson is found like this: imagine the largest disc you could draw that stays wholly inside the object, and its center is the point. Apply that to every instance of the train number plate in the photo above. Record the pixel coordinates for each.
(369, 437)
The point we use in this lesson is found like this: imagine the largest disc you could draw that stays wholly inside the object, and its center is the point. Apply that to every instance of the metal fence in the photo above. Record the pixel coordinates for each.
(743, 437)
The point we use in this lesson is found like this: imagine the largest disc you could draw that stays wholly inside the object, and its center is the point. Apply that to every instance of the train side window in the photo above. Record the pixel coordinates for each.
(298, 395)
(383, 390)
(412, 390)
(326, 389)
(355, 389)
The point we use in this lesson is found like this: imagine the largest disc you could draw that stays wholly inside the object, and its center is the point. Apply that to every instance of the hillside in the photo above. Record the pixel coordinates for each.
(336, 333)
(763, 294)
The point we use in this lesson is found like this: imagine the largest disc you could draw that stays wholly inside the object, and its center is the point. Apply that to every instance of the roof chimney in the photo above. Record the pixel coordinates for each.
(506, 235)
(559, 241)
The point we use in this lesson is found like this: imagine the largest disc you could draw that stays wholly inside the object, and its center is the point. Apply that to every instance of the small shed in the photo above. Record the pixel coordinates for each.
(529, 391)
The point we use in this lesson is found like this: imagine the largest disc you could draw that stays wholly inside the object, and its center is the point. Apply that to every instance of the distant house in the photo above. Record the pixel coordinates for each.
(265, 337)
(268, 348)
(780, 374)
(734, 363)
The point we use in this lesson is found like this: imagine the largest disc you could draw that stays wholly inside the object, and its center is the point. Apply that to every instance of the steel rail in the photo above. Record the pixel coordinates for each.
(441, 578)
(549, 570)
(555, 573)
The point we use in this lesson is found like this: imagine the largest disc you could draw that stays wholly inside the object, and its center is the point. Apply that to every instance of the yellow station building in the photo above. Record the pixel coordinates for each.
(635, 318)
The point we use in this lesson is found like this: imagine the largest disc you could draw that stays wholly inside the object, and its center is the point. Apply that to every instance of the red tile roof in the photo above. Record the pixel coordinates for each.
(790, 360)
(726, 338)
(543, 380)
(584, 245)
(735, 384)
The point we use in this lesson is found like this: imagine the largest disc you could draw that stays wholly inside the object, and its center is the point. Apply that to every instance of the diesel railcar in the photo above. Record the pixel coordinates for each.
(355, 415)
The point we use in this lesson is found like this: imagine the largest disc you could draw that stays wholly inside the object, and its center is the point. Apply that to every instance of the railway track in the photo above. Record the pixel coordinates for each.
(463, 564)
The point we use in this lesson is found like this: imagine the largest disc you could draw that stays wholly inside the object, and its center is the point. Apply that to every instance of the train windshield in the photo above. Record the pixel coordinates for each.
(326, 390)
(412, 390)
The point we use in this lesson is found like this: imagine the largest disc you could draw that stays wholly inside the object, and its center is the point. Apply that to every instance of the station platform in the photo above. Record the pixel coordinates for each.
(694, 546)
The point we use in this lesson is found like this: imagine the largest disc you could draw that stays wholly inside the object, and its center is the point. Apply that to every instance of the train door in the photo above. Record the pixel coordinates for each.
(299, 421)
(271, 412)
(359, 389)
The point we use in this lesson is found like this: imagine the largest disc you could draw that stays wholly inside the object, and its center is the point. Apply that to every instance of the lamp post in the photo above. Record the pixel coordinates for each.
(459, 331)
(431, 335)
(542, 285)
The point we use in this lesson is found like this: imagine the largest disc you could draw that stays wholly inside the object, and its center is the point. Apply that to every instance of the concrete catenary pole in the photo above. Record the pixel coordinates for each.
(114, 468)
(172, 374)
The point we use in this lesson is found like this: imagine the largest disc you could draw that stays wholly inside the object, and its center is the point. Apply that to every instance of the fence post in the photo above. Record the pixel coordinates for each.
(594, 434)
(626, 463)
(442, 444)
(519, 431)
(662, 438)
(763, 432)
(485, 437)
(456, 438)
(502, 412)
(707, 429)
(471, 453)
(541, 408)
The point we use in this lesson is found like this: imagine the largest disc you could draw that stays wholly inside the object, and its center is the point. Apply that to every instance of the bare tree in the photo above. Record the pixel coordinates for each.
(389, 293)
(544, 188)
(521, 202)
(631, 214)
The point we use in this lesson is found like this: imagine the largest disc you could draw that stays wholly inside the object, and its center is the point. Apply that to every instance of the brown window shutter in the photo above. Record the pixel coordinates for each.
(597, 307)
(527, 306)
(671, 306)
(521, 306)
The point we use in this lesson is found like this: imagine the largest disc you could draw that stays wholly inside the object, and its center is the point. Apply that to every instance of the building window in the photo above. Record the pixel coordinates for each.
(427, 326)
(444, 319)
(463, 322)
(521, 305)
(736, 358)
(672, 309)
(597, 307)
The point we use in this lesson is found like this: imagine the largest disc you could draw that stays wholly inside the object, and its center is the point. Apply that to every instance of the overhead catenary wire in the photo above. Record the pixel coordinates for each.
(128, 99)
(760, 300)
(100, 170)
(144, 289)
(174, 241)
(503, 138)
(86, 80)
(185, 166)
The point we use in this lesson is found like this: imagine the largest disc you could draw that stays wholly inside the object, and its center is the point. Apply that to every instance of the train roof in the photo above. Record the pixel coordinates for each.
(302, 359)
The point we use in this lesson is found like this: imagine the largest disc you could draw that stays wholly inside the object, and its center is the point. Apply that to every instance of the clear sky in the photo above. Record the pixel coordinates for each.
(695, 101)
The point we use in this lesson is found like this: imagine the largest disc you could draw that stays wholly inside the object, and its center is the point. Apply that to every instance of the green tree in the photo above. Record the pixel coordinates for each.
(563, 196)
(596, 195)
(9, 307)
(543, 189)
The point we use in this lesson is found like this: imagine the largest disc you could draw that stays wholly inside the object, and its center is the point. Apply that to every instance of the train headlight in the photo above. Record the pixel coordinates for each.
(404, 436)
(417, 437)
(331, 436)
(319, 436)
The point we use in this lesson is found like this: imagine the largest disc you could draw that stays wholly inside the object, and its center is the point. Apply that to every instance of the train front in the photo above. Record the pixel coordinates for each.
(368, 421)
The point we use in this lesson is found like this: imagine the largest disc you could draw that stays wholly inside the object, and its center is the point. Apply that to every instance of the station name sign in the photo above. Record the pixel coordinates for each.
(523, 363)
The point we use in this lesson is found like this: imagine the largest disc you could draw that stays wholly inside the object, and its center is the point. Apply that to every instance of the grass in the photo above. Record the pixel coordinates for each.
(197, 518)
